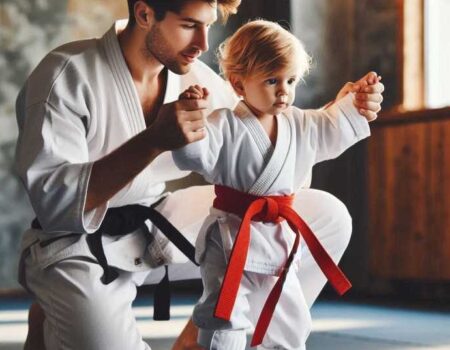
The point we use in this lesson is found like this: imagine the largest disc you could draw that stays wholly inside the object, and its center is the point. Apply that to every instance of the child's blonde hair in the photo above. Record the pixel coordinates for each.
(261, 47)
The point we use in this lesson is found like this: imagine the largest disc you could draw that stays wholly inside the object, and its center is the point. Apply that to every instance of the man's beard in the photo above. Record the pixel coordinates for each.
(157, 46)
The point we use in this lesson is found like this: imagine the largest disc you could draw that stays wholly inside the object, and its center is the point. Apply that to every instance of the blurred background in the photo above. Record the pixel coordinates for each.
(396, 184)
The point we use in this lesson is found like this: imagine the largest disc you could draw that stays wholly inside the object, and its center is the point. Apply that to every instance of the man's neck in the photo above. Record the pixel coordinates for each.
(143, 67)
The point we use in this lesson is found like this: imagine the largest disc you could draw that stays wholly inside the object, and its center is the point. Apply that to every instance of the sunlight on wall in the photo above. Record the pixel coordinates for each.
(437, 53)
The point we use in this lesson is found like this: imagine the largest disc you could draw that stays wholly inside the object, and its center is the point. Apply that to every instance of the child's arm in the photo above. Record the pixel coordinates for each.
(201, 156)
(343, 122)
(330, 131)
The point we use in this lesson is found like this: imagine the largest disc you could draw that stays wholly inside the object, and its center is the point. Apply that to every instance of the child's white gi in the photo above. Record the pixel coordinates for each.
(238, 153)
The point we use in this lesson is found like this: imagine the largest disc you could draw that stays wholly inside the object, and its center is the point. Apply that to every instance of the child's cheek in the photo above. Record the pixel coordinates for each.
(291, 97)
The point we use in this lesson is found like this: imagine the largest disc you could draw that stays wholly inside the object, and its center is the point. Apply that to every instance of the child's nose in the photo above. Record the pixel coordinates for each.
(282, 91)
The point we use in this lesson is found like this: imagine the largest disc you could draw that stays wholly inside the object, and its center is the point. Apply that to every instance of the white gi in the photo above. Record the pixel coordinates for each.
(238, 153)
(78, 105)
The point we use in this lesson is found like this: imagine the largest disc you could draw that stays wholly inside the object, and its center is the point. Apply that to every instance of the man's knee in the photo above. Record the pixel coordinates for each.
(326, 215)
(340, 219)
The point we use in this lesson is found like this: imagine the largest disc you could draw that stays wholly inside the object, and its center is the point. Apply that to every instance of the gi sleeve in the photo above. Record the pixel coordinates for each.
(333, 130)
(52, 161)
(203, 156)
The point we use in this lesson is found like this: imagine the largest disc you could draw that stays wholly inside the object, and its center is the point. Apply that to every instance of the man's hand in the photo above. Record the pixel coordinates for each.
(177, 124)
(181, 122)
(368, 94)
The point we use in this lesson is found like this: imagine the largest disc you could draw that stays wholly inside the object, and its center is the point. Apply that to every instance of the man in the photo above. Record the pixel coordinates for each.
(95, 120)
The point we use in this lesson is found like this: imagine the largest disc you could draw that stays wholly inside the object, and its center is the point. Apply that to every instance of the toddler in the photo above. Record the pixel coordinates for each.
(258, 156)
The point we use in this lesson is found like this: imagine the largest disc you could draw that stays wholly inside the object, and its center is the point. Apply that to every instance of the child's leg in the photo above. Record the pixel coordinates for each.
(224, 339)
(291, 321)
(214, 333)
(330, 221)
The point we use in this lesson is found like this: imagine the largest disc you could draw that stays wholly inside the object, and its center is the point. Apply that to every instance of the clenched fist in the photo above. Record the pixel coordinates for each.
(183, 121)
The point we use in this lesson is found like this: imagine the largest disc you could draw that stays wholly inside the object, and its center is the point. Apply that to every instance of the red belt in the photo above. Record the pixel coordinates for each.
(267, 209)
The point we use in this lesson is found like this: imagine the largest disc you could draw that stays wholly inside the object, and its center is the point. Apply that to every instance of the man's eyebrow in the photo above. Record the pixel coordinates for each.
(192, 20)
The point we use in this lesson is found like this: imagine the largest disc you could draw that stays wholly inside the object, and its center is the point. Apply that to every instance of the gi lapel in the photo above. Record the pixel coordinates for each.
(256, 130)
(274, 157)
(277, 160)
(124, 80)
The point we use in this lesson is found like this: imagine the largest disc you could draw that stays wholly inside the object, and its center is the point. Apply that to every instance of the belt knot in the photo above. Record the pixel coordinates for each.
(271, 210)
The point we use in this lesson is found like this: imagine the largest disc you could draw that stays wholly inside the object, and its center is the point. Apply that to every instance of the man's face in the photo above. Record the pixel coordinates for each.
(180, 38)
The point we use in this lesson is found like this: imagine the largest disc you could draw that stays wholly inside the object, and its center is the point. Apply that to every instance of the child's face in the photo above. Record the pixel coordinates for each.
(270, 94)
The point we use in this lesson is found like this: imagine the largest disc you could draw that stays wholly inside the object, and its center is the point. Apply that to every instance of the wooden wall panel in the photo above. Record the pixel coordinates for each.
(439, 208)
(409, 200)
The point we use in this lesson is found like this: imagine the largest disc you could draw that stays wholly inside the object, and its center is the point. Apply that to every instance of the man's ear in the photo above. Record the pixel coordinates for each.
(144, 14)
(236, 83)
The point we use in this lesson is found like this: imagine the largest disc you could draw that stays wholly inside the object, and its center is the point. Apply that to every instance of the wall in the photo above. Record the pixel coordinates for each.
(28, 30)
(409, 204)
(411, 240)
(348, 38)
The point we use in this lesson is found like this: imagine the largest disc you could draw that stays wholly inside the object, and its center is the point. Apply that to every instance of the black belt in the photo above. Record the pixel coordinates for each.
(123, 220)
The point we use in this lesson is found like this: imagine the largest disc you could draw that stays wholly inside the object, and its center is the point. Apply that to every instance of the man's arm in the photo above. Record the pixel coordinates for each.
(177, 124)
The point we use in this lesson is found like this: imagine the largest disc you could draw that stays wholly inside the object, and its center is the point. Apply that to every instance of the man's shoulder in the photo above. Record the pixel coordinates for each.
(81, 53)
(67, 64)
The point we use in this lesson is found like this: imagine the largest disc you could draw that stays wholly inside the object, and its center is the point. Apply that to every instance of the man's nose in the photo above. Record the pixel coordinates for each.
(202, 39)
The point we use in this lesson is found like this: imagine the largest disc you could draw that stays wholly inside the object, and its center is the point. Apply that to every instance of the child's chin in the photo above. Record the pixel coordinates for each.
(280, 108)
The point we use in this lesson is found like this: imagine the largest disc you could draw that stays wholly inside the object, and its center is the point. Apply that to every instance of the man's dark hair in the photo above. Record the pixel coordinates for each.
(226, 7)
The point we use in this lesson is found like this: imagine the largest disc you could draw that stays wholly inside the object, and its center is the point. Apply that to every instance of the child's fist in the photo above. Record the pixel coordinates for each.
(194, 92)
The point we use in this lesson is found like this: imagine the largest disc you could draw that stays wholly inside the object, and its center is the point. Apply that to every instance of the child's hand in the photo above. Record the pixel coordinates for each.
(194, 93)
(368, 94)
(370, 79)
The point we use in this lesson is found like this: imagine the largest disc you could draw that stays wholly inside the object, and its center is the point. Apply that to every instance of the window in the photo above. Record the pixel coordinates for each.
(437, 53)
(426, 54)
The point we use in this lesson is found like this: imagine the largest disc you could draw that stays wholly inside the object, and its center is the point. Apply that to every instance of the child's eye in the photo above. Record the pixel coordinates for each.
(291, 81)
(188, 26)
(271, 81)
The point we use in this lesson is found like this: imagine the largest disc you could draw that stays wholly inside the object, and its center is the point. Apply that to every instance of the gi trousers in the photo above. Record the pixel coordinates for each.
(291, 321)
(83, 313)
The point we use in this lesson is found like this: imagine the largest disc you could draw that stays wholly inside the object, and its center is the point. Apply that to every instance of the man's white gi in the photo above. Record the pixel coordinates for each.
(238, 153)
(78, 105)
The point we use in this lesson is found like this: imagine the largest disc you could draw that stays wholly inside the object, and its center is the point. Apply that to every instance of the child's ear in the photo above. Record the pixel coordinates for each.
(236, 83)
